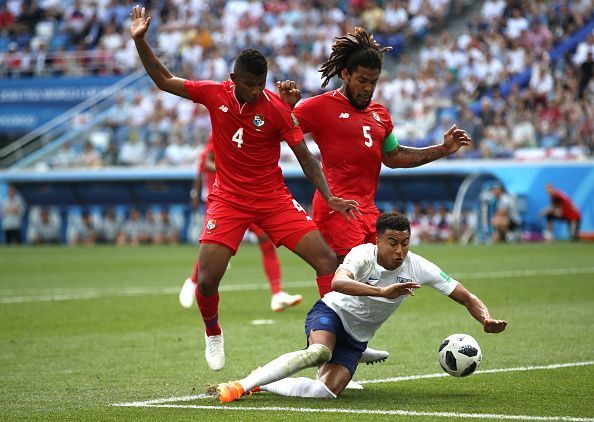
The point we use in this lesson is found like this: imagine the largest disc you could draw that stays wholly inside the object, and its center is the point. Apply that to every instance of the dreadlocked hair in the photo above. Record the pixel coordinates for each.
(350, 51)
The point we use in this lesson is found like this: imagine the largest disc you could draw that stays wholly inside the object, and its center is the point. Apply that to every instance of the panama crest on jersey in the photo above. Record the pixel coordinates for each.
(211, 224)
(376, 117)
(258, 120)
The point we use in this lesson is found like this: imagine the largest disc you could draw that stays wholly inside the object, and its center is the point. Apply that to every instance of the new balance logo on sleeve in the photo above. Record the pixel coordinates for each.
(344, 116)
(223, 108)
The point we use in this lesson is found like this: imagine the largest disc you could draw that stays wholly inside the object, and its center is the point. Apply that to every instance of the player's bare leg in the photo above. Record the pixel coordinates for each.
(213, 260)
(315, 251)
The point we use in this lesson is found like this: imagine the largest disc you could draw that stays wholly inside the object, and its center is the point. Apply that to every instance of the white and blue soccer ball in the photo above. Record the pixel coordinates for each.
(460, 355)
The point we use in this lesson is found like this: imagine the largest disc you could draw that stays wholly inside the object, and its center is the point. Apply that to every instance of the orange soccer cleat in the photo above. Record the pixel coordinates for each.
(230, 391)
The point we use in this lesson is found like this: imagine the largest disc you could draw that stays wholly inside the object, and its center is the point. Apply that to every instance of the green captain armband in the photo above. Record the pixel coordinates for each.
(390, 144)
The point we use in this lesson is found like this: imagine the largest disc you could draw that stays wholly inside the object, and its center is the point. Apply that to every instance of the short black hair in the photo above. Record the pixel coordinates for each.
(392, 221)
(251, 61)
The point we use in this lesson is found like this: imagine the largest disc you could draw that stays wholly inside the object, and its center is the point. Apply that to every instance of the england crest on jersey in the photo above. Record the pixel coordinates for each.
(258, 120)
(376, 117)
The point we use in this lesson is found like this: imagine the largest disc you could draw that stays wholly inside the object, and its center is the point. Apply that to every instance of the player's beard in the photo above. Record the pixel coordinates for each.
(349, 94)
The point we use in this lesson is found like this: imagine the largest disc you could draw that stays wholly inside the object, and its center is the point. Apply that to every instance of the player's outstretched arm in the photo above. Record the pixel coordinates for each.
(404, 157)
(477, 309)
(313, 171)
(154, 67)
(344, 282)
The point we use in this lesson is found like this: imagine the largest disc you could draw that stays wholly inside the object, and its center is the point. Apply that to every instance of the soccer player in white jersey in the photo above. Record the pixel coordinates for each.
(368, 287)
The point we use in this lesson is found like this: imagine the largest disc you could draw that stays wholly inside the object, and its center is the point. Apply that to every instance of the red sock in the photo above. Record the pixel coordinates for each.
(194, 275)
(324, 283)
(271, 265)
(209, 309)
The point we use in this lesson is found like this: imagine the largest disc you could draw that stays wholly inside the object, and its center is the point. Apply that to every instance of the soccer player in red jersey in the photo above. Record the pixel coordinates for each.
(206, 178)
(248, 122)
(354, 135)
(561, 208)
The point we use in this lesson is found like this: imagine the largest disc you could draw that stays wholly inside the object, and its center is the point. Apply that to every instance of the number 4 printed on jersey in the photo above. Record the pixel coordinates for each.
(238, 137)
(367, 135)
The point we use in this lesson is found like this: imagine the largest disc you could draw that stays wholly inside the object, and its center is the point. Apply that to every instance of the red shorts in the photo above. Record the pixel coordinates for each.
(280, 217)
(343, 235)
(256, 230)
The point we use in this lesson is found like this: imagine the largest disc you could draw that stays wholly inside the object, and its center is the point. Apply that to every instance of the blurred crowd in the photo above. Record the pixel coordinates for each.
(71, 37)
(467, 81)
(430, 223)
(463, 80)
(133, 227)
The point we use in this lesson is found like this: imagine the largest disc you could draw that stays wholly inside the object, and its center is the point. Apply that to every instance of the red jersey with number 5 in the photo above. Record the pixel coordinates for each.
(246, 138)
(350, 142)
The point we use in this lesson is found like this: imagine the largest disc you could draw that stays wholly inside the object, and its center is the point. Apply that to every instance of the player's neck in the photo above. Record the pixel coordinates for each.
(342, 91)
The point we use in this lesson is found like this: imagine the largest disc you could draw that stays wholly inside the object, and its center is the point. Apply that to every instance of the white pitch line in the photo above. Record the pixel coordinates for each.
(486, 371)
(96, 293)
(456, 415)
(163, 402)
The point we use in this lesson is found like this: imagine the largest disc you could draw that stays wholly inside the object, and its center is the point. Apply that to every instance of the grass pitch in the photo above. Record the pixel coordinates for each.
(82, 329)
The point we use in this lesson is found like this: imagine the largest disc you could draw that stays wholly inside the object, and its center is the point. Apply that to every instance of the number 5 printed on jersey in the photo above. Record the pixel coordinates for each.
(367, 135)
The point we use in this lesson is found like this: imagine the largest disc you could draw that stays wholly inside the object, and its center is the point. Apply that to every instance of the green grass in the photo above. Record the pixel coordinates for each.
(72, 359)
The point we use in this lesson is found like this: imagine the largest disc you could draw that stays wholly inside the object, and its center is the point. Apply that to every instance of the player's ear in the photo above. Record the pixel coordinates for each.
(344, 74)
(233, 77)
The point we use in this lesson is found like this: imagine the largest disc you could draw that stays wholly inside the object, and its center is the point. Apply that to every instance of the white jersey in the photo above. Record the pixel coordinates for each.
(362, 316)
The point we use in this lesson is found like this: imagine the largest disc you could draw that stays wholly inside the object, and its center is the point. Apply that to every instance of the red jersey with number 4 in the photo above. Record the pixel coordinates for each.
(350, 142)
(209, 176)
(568, 209)
(246, 138)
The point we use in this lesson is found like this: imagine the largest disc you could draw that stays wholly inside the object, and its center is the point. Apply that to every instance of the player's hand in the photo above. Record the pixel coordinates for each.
(494, 325)
(399, 289)
(347, 207)
(288, 92)
(454, 139)
(139, 24)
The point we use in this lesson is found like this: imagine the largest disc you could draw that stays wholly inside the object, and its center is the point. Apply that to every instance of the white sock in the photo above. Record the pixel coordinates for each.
(300, 387)
(287, 365)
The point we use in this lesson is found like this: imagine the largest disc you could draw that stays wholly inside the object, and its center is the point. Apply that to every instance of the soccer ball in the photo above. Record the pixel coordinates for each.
(460, 355)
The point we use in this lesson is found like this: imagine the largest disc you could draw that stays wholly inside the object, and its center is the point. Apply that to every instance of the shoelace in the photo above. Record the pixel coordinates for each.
(213, 343)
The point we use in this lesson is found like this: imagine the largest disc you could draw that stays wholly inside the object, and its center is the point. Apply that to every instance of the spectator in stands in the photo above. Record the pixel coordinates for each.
(66, 156)
(45, 229)
(13, 209)
(167, 231)
(119, 117)
(89, 157)
(496, 141)
(133, 231)
(586, 71)
(506, 219)
(523, 131)
(133, 152)
(110, 227)
(443, 222)
(563, 209)
(84, 232)
(151, 229)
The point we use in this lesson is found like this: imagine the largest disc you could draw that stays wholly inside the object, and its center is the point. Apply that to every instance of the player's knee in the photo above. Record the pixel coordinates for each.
(207, 283)
(318, 354)
(327, 262)
(322, 391)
